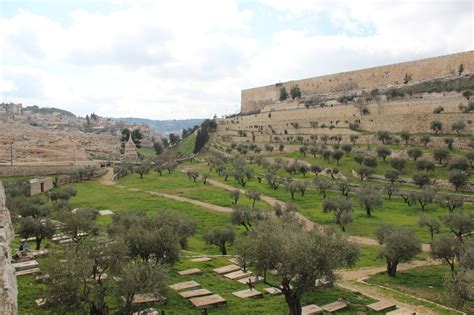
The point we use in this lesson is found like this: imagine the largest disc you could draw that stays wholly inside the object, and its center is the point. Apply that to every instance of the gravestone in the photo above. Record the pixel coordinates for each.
(201, 259)
(208, 301)
(335, 306)
(272, 291)
(186, 285)
(239, 274)
(381, 306)
(248, 294)
(311, 310)
(226, 269)
(195, 293)
(190, 272)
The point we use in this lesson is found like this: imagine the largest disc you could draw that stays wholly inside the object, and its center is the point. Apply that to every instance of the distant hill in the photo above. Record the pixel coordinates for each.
(47, 110)
(163, 126)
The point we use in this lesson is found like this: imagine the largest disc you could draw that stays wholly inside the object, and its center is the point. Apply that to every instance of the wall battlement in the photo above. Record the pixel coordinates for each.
(381, 76)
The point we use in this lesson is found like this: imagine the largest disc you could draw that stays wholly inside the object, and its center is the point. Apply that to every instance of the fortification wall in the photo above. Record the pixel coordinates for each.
(8, 285)
(41, 170)
(384, 76)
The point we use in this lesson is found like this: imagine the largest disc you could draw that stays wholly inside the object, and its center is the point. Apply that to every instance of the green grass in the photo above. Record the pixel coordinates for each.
(29, 291)
(423, 282)
(184, 148)
(394, 212)
(178, 183)
(148, 153)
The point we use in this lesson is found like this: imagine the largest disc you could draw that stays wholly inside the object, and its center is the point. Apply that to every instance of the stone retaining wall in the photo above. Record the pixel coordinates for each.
(8, 285)
(41, 170)
(383, 76)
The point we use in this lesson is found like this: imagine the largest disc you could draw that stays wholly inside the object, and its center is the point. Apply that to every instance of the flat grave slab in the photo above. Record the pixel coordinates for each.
(233, 260)
(190, 272)
(201, 259)
(248, 294)
(186, 285)
(239, 274)
(381, 306)
(195, 293)
(149, 298)
(226, 269)
(148, 311)
(252, 278)
(24, 265)
(40, 302)
(311, 309)
(27, 272)
(335, 306)
(59, 237)
(272, 291)
(401, 311)
(65, 241)
(105, 212)
(208, 301)
(39, 253)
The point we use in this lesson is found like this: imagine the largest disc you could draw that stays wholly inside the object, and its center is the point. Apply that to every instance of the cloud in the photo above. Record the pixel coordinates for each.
(156, 59)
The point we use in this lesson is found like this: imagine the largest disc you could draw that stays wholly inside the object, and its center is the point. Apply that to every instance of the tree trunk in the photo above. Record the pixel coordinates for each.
(294, 304)
(369, 212)
(38, 243)
(391, 268)
(223, 249)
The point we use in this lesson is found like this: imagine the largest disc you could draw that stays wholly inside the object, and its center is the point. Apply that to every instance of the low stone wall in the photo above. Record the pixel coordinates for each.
(41, 170)
(8, 286)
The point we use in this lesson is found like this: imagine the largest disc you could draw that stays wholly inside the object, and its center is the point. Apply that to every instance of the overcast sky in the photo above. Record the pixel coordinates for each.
(190, 59)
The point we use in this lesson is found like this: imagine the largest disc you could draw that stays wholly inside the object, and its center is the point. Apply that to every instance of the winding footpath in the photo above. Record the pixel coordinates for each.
(348, 279)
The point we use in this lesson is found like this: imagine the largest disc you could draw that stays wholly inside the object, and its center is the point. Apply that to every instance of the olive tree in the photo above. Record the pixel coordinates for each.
(432, 224)
(436, 126)
(220, 237)
(458, 178)
(383, 152)
(460, 223)
(399, 245)
(447, 248)
(415, 153)
(440, 155)
(279, 244)
(370, 198)
(341, 208)
(246, 216)
(38, 228)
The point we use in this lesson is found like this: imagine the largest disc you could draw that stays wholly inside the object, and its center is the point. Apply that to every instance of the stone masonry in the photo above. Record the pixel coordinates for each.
(441, 67)
(8, 286)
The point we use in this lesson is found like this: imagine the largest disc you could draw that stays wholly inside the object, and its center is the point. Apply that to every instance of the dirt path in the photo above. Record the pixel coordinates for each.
(309, 225)
(108, 177)
(203, 204)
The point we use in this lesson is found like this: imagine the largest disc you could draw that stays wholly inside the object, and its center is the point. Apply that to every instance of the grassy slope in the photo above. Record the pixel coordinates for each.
(392, 212)
(424, 282)
(184, 148)
(91, 194)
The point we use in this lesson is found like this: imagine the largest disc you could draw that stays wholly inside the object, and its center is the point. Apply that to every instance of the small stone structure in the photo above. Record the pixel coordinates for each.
(190, 272)
(130, 151)
(40, 185)
(311, 310)
(8, 286)
(187, 285)
(226, 269)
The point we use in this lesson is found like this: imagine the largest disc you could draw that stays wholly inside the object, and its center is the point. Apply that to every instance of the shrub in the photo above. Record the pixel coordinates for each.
(438, 110)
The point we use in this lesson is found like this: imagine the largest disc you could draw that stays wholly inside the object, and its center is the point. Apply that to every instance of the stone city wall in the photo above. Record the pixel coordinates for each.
(8, 289)
(384, 76)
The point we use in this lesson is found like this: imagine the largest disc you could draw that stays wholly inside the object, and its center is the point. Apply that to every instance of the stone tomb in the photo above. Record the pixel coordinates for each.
(226, 269)
(190, 272)
(252, 278)
(272, 291)
(194, 293)
(149, 298)
(105, 212)
(335, 306)
(239, 274)
(201, 259)
(25, 265)
(208, 301)
(248, 294)
(187, 285)
(401, 311)
(27, 272)
(381, 306)
(311, 310)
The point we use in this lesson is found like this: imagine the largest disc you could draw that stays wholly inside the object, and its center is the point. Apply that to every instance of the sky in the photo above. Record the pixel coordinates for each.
(190, 59)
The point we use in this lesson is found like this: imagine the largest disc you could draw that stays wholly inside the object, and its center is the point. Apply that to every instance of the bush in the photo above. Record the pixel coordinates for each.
(283, 94)
(438, 110)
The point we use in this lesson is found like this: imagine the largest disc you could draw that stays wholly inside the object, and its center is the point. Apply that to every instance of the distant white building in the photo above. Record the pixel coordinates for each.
(11, 109)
